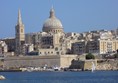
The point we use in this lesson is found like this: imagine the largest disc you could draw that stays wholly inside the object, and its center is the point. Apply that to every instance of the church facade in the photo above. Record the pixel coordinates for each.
(48, 42)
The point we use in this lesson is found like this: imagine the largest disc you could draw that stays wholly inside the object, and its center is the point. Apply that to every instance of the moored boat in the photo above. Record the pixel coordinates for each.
(56, 68)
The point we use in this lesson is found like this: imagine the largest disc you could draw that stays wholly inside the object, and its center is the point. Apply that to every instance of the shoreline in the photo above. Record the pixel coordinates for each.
(68, 70)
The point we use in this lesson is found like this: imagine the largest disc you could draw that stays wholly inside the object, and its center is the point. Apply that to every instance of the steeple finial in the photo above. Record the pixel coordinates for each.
(52, 7)
(19, 17)
(52, 12)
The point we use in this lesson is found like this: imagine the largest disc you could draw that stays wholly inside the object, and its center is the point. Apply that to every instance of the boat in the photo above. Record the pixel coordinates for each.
(56, 68)
(2, 77)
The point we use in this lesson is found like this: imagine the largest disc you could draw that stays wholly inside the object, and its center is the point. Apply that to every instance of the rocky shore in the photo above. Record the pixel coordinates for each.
(108, 64)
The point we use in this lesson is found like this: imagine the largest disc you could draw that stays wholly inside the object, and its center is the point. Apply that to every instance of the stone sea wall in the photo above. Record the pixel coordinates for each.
(38, 61)
(103, 64)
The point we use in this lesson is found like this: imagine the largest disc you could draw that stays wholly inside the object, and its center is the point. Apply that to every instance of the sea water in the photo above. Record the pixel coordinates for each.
(61, 77)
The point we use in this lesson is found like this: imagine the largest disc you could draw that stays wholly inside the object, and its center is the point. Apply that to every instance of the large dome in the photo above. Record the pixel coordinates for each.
(52, 22)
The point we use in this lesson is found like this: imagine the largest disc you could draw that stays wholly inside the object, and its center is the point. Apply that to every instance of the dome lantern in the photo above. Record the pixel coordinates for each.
(52, 13)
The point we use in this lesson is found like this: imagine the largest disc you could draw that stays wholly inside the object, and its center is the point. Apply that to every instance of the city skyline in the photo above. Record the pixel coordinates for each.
(77, 16)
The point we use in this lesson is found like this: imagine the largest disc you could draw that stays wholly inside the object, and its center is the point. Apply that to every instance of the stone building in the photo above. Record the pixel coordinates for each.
(3, 47)
(28, 48)
(11, 45)
(30, 38)
(107, 46)
(51, 44)
(79, 47)
(98, 42)
(100, 46)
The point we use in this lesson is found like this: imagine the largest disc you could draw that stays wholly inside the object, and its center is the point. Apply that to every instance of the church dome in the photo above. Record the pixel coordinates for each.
(52, 22)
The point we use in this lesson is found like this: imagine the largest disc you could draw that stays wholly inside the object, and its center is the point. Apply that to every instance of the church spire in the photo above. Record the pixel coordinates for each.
(52, 13)
(19, 17)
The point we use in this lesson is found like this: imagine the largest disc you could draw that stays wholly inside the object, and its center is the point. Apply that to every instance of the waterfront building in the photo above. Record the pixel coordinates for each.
(100, 46)
(28, 48)
(11, 45)
(29, 38)
(108, 46)
(3, 47)
(98, 42)
(79, 47)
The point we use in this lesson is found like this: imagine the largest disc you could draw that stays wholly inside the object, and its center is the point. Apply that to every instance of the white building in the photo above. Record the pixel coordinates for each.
(3, 47)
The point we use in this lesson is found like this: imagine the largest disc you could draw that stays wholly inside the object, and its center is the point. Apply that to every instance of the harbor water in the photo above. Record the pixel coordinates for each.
(61, 77)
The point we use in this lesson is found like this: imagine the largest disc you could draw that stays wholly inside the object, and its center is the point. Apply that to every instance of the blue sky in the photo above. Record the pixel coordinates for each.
(75, 15)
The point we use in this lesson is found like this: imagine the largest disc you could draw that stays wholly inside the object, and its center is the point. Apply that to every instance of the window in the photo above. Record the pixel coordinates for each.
(56, 48)
(57, 52)
(51, 52)
(21, 30)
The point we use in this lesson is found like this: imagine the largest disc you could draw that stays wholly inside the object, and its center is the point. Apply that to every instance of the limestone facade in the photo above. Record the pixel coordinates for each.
(10, 44)
(100, 46)
(83, 64)
(3, 47)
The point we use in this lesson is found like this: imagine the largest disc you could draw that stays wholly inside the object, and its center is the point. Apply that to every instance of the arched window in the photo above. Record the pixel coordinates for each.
(21, 30)
(51, 52)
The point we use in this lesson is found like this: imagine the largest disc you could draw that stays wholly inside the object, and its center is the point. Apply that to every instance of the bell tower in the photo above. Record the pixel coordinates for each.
(19, 35)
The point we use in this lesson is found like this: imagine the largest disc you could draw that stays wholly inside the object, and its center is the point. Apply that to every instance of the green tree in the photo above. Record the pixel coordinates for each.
(90, 56)
(115, 55)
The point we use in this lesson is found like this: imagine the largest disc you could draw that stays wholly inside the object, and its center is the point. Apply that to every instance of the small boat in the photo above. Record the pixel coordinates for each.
(2, 77)
(56, 68)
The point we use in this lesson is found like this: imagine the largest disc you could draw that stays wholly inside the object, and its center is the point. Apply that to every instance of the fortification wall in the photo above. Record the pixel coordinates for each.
(104, 64)
(38, 61)
(31, 61)
(65, 60)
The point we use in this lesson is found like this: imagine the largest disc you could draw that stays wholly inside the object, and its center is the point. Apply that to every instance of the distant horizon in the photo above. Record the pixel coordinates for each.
(76, 16)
